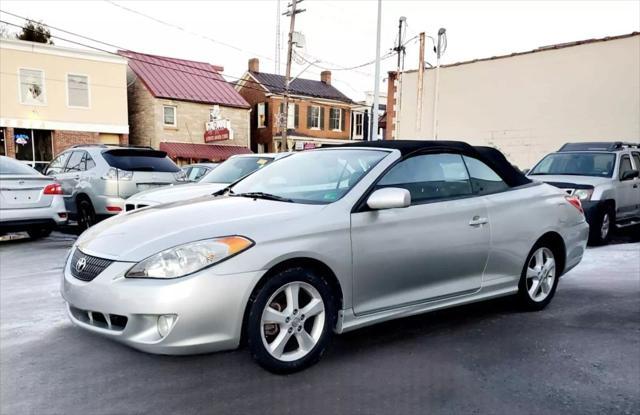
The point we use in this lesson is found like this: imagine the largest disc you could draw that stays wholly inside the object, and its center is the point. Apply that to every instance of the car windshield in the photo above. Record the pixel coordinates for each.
(576, 164)
(11, 166)
(235, 168)
(316, 177)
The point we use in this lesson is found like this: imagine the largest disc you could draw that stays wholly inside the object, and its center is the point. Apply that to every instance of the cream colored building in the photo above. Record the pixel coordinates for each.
(528, 104)
(53, 97)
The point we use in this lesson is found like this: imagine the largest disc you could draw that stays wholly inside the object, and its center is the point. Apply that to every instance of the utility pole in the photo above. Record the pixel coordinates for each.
(440, 48)
(420, 84)
(292, 14)
(376, 85)
(277, 63)
(400, 51)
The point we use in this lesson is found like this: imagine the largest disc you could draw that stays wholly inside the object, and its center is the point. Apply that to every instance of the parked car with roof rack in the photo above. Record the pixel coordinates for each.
(97, 178)
(324, 241)
(605, 176)
(232, 170)
(29, 201)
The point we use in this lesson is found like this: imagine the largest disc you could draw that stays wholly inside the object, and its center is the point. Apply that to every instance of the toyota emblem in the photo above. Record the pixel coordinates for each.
(81, 264)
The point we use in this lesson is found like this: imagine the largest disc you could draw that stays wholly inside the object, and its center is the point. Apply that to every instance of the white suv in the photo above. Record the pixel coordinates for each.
(605, 176)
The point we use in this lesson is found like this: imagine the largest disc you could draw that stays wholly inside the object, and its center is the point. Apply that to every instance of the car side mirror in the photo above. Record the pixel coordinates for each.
(389, 198)
(629, 174)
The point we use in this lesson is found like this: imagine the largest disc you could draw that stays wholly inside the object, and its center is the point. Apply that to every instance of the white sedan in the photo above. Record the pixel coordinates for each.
(29, 201)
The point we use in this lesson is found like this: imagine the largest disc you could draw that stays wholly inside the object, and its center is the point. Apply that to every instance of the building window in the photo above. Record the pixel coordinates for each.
(78, 91)
(169, 116)
(335, 119)
(314, 117)
(33, 146)
(262, 115)
(358, 124)
(32, 90)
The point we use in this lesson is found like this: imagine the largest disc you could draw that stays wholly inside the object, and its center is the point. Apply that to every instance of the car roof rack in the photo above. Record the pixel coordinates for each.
(102, 145)
(599, 146)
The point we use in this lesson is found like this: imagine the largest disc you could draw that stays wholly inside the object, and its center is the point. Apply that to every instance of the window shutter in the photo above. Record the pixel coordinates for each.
(322, 118)
(342, 120)
(266, 113)
(296, 116)
(308, 116)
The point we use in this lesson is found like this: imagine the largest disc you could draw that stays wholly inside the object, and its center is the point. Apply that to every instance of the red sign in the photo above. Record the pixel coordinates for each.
(220, 134)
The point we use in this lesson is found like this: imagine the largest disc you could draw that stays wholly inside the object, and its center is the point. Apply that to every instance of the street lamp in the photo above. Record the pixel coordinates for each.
(440, 48)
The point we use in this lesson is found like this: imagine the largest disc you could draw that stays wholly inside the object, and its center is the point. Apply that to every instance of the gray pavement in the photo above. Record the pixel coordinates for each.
(579, 356)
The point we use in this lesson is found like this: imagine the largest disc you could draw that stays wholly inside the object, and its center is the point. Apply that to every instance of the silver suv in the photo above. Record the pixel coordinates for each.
(96, 179)
(605, 178)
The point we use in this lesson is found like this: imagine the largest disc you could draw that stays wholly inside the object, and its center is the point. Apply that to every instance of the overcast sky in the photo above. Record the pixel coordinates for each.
(339, 33)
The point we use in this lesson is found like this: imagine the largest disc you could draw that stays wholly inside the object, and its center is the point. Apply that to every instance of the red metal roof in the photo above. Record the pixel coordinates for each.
(202, 151)
(183, 80)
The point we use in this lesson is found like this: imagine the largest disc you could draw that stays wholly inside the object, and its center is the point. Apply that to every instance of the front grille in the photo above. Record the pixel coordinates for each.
(114, 322)
(86, 267)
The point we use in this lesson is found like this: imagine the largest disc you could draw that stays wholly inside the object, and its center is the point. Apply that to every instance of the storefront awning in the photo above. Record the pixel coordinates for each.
(202, 151)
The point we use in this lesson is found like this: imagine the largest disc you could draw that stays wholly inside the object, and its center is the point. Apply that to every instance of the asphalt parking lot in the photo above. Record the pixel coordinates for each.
(581, 355)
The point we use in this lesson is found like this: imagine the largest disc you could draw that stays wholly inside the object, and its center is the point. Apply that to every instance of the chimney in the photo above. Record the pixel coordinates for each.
(254, 65)
(325, 76)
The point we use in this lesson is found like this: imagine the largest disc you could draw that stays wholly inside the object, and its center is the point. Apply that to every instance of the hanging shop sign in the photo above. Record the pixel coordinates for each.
(218, 128)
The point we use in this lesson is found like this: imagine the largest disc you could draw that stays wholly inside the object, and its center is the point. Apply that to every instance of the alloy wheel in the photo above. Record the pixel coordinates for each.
(541, 273)
(292, 321)
(604, 228)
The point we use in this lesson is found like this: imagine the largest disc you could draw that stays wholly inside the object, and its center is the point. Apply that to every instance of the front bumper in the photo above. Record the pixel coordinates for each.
(209, 308)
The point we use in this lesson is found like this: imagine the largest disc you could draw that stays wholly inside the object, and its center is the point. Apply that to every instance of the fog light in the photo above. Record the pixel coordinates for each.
(165, 323)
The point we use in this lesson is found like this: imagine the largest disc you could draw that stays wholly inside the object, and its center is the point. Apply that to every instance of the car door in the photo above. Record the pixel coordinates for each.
(625, 190)
(435, 248)
(71, 176)
(635, 157)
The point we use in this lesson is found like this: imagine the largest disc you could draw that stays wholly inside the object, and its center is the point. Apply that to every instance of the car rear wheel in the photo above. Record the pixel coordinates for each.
(291, 321)
(37, 233)
(602, 227)
(86, 214)
(539, 278)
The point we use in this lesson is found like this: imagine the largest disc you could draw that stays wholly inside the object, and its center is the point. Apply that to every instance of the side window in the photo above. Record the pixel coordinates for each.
(430, 177)
(76, 162)
(625, 165)
(484, 180)
(57, 165)
(88, 161)
(636, 159)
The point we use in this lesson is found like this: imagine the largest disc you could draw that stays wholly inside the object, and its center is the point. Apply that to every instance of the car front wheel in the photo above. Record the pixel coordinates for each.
(539, 278)
(600, 231)
(291, 320)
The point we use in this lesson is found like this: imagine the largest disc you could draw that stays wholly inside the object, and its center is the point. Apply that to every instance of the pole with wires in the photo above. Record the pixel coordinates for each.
(440, 48)
(400, 49)
(376, 85)
(292, 24)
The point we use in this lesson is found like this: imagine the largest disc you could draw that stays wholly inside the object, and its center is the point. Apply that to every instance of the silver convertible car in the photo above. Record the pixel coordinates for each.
(322, 242)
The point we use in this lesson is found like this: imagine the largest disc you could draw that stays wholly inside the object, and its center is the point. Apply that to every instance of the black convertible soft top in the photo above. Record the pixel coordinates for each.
(489, 155)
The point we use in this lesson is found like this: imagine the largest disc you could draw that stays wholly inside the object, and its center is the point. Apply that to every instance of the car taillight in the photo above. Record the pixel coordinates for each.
(117, 174)
(52, 189)
(575, 202)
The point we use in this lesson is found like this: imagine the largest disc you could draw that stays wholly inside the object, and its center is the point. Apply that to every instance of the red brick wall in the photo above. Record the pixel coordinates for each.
(253, 95)
(8, 139)
(62, 140)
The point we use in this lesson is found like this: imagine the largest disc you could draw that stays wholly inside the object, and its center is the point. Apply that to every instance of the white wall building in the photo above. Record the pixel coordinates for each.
(528, 104)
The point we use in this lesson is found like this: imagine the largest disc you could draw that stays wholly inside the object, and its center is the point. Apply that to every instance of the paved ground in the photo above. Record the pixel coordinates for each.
(581, 355)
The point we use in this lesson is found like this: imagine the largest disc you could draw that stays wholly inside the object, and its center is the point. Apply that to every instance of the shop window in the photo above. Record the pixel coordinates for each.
(169, 116)
(33, 146)
(32, 91)
(78, 91)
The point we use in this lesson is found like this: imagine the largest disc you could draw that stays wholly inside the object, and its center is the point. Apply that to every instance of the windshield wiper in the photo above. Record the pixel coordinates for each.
(262, 195)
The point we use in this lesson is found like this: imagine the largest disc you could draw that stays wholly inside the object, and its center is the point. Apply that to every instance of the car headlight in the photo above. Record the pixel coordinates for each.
(186, 259)
(583, 194)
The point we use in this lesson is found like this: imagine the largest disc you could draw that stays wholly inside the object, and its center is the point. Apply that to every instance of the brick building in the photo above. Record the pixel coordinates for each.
(54, 97)
(185, 108)
(318, 112)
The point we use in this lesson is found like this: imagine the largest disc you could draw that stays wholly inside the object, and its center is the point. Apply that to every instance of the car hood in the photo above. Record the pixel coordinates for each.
(175, 193)
(569, 180)
(138, 234)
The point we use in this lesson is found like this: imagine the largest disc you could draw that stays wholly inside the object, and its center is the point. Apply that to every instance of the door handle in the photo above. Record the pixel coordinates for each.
(478, 221)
